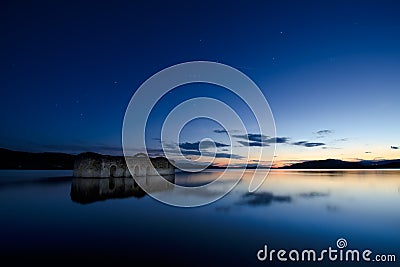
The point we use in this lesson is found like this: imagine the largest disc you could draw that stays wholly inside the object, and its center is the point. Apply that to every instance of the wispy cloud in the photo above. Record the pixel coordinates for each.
(247, 143)
(324, 132)
(193, 149)
(204, 144)
(252, 137)
(225, 131)
(308, 144)
(260, 140)
(209, 154)
(278, 140)
(227, 155)
(331, 148)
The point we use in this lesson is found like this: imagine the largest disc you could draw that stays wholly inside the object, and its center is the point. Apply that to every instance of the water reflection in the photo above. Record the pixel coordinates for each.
(262, 199)
(89, 190)
(291, 210)
(46, 181)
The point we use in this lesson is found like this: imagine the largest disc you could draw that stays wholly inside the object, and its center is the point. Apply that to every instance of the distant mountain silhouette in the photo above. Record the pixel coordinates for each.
(340, 164)
(10, 159)
(35, 161)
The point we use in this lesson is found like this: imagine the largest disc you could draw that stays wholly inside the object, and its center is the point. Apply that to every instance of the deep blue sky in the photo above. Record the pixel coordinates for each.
(68, 69)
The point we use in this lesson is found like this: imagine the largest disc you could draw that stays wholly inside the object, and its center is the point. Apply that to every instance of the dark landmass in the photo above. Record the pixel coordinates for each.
(18, 160)
(340, 164)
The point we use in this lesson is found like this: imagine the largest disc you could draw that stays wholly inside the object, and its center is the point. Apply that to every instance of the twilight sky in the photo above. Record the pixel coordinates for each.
(330, 71)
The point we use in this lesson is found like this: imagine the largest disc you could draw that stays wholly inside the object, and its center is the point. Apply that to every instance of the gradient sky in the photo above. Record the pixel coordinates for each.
(330, 71)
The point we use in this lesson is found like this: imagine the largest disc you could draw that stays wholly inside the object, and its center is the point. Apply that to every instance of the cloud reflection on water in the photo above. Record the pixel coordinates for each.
(262, 199)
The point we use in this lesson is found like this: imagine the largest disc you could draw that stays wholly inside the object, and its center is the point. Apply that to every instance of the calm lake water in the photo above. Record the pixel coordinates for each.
(46, 220)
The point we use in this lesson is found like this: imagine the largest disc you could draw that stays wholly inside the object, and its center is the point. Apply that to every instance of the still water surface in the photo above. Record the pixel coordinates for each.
(44, 221)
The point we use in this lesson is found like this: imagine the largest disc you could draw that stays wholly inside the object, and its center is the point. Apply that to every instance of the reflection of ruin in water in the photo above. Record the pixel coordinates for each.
(88, 190)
